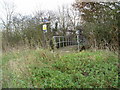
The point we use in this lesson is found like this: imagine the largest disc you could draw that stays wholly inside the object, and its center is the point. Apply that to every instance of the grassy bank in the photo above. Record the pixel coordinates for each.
(43, 69)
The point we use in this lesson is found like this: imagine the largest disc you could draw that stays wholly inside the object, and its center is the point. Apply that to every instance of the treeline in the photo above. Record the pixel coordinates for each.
(27, 31)
(98, 21)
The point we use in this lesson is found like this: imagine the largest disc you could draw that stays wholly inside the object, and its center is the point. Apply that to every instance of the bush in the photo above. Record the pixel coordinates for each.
(80, 70)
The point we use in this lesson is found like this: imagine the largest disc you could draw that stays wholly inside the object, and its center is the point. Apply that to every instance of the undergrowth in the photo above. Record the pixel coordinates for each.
(45, 69)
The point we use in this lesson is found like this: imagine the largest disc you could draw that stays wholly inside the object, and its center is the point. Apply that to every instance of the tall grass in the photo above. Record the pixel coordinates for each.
(44, 69)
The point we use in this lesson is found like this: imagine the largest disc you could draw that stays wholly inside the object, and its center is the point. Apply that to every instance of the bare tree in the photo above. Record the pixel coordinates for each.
(8, 12)
(68, 18)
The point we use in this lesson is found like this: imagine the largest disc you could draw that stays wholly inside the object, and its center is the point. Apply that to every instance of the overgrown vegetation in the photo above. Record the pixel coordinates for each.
(44, 69)
(26, 64)
(100, 23)
(98, 20)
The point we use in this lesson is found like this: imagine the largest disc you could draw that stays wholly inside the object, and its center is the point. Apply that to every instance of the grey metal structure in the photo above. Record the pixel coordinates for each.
(62, 41)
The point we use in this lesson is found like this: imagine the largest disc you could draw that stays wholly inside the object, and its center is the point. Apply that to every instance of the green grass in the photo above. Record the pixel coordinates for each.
(44, 69)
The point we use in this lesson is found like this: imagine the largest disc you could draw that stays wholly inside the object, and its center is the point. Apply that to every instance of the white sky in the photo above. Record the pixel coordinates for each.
(29, 6)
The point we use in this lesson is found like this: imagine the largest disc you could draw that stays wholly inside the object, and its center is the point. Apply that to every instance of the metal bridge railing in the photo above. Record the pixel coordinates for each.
(61, 41)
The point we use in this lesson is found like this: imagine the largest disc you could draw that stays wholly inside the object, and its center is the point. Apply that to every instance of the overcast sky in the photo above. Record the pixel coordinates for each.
(29, 6)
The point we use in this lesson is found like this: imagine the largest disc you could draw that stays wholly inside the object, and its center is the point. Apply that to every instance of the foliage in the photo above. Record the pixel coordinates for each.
(27, 31)
(100, 23)
(43, 69)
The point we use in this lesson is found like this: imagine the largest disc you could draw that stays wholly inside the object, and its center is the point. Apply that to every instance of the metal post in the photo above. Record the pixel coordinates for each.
(59, 41)
(55, 44)
(67, 41)
(63, 42)
(78, 43)
(70, 41)
(44, 39)
(78, 39)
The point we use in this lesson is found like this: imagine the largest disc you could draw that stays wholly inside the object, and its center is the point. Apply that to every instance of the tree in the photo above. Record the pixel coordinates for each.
(100, 23)
(6, 19)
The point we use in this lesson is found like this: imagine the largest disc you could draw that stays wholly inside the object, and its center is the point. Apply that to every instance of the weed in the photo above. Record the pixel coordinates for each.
(44, 69)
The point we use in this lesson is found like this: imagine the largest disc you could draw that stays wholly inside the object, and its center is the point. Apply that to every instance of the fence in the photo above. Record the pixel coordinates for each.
(62, 41)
